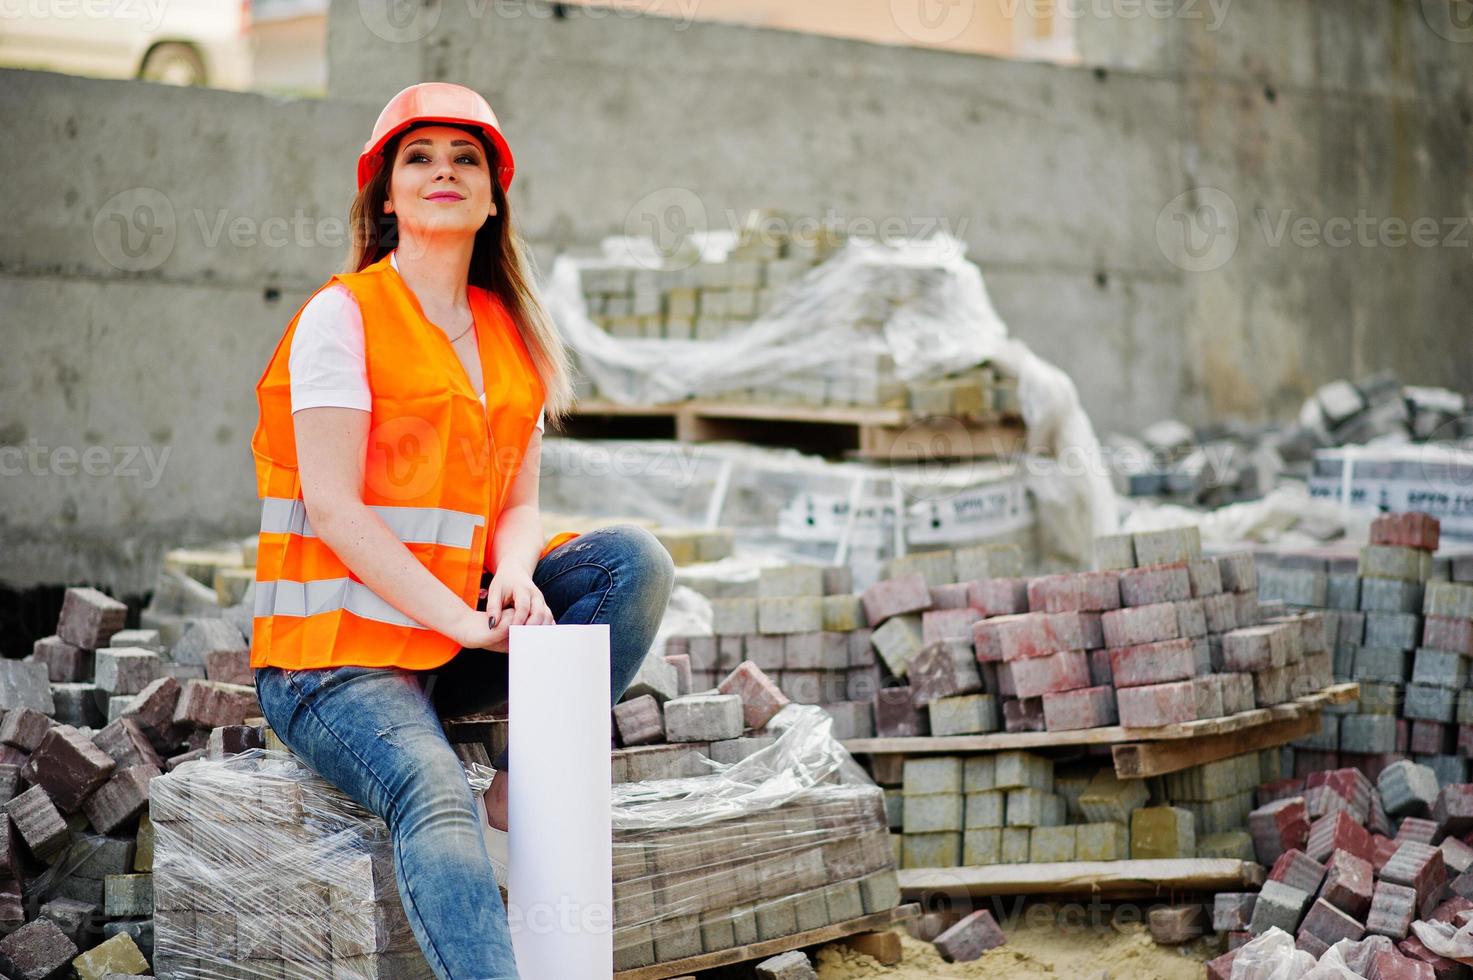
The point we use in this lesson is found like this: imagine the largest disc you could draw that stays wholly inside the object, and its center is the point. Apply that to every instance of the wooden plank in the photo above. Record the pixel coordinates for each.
(1110, 735)
(874, 432)
(1142, 759)
(835, 414)
(998, 741)
(771, 947)
(1103, 878)
(599, 406)
(929, 439)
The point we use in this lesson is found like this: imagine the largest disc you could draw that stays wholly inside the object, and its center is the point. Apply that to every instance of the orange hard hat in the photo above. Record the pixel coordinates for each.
(443, 102)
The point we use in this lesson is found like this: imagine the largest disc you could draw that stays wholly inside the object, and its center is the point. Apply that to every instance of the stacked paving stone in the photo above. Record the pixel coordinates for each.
(686, 546)
(707, 301)
(1402, 628)
(1358, 862)
(803, 627)
(1014, 808)
(671, 737)
(684, 889)
(991, 809)
(262, 869)
(87, 723)
(957, 642)
(1187, 641)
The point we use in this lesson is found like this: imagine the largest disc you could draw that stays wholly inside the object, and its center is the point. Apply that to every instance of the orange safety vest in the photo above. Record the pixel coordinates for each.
(438, 468)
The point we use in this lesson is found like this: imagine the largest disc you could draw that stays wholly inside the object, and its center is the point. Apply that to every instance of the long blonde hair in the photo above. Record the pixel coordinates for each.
(500, 263)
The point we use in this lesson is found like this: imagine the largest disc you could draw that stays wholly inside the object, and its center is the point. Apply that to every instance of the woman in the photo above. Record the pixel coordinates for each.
(397, 459)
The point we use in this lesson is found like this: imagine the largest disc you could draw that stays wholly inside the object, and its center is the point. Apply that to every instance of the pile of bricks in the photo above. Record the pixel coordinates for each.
(705, 300)
(1404, 634)
(709, 301)
(956, 642)
(804, 627)
(1014, 808)
(1359, 862)
(90, 719)
(821, 857)
(665, 737)
(1186, 639)
(263, 869)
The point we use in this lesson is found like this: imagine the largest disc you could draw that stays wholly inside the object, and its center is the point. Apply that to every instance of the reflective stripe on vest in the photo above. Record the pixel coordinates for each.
(412, 525)
(287, 598)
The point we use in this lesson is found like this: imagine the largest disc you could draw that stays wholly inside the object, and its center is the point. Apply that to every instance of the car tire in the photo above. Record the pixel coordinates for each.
(173, 63)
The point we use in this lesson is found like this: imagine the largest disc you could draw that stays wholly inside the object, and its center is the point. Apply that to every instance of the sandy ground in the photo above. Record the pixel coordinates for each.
(1035, 948)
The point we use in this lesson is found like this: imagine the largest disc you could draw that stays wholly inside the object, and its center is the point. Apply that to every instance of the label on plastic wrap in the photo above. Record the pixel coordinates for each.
(1450, 503)
(812, 516)
(970, 515)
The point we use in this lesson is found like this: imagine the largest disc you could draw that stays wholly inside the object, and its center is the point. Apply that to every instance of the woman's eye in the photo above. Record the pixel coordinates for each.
(464, 157)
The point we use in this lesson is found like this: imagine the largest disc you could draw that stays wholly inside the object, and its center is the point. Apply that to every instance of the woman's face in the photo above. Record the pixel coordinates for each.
(440, 182)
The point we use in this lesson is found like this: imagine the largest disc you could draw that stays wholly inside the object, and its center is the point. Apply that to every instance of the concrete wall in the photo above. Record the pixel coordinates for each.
(159, 239)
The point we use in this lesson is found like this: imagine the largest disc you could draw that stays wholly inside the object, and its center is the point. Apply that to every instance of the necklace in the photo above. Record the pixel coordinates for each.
(464, 332)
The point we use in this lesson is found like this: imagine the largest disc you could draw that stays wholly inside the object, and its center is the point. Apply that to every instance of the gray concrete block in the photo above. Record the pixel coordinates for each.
(1396, 630)
(1278, 905)
(789, 614)
(26, 684)
(732, 616)
(703, 718)
(896, 641)
(933, 774)
(1407, 789)
(1390, 595)
(790, 580)
(1388, 665)
(1368, 734)
(932, 812)
(966, 714)
(1429, 702)
(1439, 667)
(1167, 545)
(126, 670)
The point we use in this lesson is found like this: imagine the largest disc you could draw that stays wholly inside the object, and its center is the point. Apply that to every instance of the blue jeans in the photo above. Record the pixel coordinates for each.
(375, 734)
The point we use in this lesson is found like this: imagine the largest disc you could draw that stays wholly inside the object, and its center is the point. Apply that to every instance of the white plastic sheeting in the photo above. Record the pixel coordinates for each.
(921, 304)
(784, 506)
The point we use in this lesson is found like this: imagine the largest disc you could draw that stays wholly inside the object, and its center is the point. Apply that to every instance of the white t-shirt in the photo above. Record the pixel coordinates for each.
(328, 366)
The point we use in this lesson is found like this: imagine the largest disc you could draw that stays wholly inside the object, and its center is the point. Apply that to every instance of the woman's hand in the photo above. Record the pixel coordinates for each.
(519, 603)
(473, 630)
(513, 600)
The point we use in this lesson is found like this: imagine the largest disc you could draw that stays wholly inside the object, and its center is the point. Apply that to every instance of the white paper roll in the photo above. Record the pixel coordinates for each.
(561, 895)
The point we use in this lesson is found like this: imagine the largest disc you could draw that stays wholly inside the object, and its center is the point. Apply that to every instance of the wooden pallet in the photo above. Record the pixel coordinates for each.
(1230, 735)
(877, 921)
(1112, 879)
(832, 430)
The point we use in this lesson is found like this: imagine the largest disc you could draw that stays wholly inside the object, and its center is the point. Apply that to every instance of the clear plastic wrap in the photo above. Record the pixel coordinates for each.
(264, 870)
(791, 838)
(1272, 956)
(782, 505)
(899, 311)
(1454, 941)
(854, 330)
